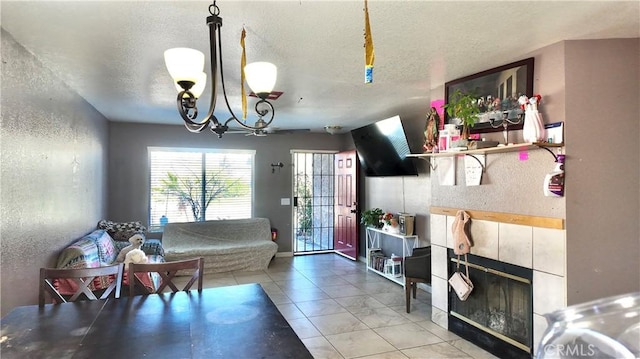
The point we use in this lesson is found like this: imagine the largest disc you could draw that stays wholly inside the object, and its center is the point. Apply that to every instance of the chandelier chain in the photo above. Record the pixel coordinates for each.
(216, 9)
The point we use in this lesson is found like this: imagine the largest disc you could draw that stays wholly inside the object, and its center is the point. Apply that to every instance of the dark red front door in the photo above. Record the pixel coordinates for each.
(345, 233)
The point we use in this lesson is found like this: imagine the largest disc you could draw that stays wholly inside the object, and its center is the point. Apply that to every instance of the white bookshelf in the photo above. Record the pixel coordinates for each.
(375, 237)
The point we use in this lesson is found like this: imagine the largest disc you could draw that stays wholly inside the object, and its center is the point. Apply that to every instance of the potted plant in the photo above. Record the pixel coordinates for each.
(464, 107)
(371, 217)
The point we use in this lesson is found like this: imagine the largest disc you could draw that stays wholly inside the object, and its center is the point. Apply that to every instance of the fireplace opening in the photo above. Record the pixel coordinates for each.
(498, 315)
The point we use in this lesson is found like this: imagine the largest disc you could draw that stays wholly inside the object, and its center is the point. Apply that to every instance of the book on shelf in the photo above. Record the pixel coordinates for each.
(373, 252)
(376, 259)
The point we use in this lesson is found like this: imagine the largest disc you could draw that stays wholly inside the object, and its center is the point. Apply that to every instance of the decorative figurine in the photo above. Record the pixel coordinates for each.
(482, 105)
(496, 104)
(533, 128)
(431, 131)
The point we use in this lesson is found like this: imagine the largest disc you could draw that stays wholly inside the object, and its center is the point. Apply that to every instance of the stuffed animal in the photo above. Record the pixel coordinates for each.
(137, 240)
(134, 256)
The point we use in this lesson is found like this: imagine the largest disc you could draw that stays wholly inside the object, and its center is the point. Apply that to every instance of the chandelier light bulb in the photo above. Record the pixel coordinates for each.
(184, 64)
(261, 77)
(199, 86)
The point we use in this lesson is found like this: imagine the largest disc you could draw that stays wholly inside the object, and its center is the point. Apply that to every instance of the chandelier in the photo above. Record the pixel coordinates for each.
(186, 67)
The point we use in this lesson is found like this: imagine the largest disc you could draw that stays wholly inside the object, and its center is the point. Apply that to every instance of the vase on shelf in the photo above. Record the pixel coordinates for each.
(533, 128)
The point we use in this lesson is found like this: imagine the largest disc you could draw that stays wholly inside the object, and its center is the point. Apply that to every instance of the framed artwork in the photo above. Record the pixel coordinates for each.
(497, 91)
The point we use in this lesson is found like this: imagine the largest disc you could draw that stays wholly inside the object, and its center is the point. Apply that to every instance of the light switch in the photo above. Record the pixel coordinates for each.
(285, 201)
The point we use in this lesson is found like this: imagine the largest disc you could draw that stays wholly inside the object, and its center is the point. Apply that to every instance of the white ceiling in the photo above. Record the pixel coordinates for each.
(111, 52)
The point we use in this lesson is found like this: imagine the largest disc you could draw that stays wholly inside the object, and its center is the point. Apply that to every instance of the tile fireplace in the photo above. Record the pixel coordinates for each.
(533, 257)
(498, 315)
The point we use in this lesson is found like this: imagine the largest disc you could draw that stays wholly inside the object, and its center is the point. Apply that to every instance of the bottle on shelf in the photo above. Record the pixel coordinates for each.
(554, 181)
(396, 262)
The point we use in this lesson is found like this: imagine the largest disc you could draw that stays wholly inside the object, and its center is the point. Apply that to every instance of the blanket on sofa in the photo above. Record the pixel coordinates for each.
(98, 249)
(226, 245)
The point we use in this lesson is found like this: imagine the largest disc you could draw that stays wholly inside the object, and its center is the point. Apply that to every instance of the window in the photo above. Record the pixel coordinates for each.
(190, 185)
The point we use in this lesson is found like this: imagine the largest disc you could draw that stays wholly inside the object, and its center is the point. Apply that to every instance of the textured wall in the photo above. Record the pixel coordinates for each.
(603, 168)
(129, 174)
(410, 194)
(592, 85)
(53, 171)
(512, 184)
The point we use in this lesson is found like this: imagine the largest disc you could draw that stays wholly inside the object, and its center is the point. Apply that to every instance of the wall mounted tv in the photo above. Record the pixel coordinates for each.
(383, 148)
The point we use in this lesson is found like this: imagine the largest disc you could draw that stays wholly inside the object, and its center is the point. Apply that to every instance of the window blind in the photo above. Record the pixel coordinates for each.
(189, 185)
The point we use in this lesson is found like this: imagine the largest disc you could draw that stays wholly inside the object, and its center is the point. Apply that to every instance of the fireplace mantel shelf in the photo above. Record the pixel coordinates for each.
(484, 151)
(510, 218)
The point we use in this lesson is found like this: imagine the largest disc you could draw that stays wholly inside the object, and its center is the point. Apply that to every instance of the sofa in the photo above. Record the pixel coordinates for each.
(226, 245)
(99, 249)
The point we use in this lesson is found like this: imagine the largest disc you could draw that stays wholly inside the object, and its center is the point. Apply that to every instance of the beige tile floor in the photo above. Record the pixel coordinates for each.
(340, 310)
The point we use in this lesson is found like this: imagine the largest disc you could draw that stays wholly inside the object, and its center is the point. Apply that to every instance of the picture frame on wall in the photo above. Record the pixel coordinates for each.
(497, 91)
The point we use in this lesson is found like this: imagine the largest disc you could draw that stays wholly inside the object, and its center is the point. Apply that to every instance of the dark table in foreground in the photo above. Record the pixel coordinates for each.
(228, 322)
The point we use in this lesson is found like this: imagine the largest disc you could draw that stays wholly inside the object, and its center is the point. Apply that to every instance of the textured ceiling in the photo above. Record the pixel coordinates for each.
(111, 52)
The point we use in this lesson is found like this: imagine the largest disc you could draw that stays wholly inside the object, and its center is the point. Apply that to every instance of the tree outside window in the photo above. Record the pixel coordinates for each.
(304, 209)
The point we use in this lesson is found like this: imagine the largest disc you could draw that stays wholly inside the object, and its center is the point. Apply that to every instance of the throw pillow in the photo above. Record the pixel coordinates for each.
(122, 231)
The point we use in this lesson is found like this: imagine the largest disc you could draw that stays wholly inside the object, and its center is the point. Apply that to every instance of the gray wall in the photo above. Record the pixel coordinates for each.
(410, 194)
(56, 151)
(129, 174)
(592, 85)
(53, 158)
(510, 184)
(603, 167)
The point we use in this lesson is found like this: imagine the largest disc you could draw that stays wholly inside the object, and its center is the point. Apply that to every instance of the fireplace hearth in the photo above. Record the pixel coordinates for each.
(498, 315)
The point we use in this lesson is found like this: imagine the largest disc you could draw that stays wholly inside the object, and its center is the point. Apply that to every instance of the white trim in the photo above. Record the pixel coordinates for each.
(312, 151)
(199, 149)
(292, 208)
(292, 214)
(284, 254)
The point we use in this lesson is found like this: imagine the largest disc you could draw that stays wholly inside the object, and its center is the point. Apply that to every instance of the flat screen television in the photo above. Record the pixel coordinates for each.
(383, 148)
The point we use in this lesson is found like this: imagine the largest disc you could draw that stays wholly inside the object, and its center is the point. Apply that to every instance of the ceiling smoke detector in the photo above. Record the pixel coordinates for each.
(332, 130)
